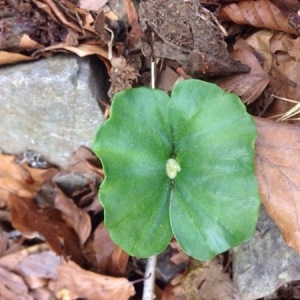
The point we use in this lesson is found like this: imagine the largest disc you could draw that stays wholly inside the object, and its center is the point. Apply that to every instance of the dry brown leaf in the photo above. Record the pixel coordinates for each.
(248, 86)
(92, 4)
(136, 32)
(74, 282)
(260, 41)
(119, 261)
(12, 286)
(35, 268)
(27, 43)
(36, 264)
(202, 281)
(81, 50)
(75, 217)
(84, 161)
(110, 258)
(180, 257)
(285, 72)
(278, 175)
(260, 13)
(20, 179)
(29, 218)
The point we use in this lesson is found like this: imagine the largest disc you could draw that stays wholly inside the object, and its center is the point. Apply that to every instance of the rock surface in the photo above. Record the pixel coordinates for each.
(50, 106)
(265, 262)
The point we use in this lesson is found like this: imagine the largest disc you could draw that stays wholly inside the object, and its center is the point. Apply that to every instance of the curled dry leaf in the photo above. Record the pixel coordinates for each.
(12, 286)
(260, 42)
(278, 174)
(248, 86)
(136, 32)
(20, 179)
(74, 282)
(260, 13)
(95, 5)
(110, 259)
(35, 268)
(12, 58)
(75, 217)
(202, 281)
(29, 218)
(281, 60)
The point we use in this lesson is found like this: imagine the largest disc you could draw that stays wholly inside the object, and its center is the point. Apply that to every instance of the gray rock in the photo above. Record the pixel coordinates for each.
(50, 105)
(265, 262)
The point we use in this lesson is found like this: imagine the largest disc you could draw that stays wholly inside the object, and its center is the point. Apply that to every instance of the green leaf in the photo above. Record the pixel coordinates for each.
(181, 165)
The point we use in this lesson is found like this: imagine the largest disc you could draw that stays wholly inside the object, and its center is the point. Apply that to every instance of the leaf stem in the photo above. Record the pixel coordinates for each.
(150, 278)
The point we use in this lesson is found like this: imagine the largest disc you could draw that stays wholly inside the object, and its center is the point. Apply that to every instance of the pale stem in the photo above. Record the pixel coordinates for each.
(148, 292)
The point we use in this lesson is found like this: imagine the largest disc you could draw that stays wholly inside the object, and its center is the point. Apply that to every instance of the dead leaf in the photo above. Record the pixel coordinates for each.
(278, 175)
(119, 261)
(12, 286)
(109, 257)
(95, 5)
(84, 161)
(285, 75)
(20, 179)
(180, 257)
(29, 218)
(12, 58)
(202, 281)
(136, 32)
(260, 13)
(260, 41)
(35, 268)
(248, 86)
(74, 282)
(75, 217)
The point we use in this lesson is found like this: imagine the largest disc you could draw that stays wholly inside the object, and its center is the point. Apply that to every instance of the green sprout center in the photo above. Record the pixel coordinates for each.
(172, 167)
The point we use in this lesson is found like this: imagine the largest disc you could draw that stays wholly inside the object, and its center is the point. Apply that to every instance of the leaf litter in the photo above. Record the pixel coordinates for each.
(41, 211)
(66, 211)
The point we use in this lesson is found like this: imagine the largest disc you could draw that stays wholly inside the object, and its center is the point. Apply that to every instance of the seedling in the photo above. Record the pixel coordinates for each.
(179, 165)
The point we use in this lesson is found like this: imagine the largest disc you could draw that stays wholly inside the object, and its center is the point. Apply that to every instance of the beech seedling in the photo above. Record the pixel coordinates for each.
(179, 165)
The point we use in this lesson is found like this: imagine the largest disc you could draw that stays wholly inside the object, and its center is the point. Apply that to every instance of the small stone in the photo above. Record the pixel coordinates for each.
(50, 105)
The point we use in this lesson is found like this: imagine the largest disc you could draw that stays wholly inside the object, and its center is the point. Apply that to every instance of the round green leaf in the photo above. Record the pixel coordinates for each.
(181, 164)
(134, 145)
(215, 195)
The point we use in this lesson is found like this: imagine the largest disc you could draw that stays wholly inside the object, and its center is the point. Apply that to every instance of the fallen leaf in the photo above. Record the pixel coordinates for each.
(29, 218)
(202, 281)
(136, 32)
(119, 261)
(20, 179)
(12, 286)
(84, 161)
(92, 4)
(75, 217)
(260, 13)
(278, 174)
(12, 58)
(260, 41)
(284, 72)
(110, 258)
(248, 86)
(103, 248)
(74, 282)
